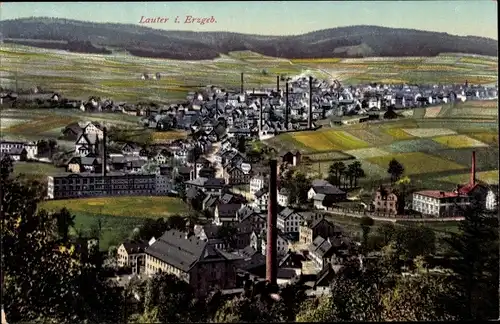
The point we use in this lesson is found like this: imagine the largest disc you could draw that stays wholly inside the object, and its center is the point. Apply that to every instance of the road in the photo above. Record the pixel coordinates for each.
(387, 219)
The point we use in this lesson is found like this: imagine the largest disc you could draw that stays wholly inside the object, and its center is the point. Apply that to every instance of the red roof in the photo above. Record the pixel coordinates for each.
(466, 189)
(437, 194)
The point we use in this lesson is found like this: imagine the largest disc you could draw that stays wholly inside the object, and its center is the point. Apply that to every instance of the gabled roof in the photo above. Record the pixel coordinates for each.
(183, 253)
(133, 247)
(228, 210)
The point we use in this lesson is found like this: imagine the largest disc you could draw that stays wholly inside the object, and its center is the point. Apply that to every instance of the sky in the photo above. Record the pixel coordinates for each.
(471, 17)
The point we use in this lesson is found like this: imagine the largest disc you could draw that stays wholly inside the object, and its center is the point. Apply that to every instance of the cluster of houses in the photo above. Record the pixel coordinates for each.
(18, 150)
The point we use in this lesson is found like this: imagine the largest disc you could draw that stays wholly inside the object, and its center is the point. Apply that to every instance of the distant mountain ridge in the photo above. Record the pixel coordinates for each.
(346, 42)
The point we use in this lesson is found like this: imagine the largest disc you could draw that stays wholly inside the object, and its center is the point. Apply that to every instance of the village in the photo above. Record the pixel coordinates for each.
(235, 188)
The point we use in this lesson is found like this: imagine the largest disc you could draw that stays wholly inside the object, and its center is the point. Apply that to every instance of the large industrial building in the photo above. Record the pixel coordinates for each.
(78, 185)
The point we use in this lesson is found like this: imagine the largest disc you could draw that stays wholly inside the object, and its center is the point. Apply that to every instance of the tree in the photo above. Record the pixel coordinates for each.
(335, 173)
(302, 184)
(390, 113)
(475, 271)
(64, 221)
(357, 171)
(416, 298)
(176, 222)
(349, 177)
(168, 299)
(396, 170)
(413, 241)
(44, 278)
(366, 225)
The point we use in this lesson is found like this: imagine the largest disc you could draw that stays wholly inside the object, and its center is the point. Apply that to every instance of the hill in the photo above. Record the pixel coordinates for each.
(345, 42)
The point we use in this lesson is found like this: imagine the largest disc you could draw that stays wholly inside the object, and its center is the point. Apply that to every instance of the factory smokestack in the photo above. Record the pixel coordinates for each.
(309, 116)
(104, 151)
(261, 108)
(278, 83)
(286, 106)
(271, 266)
(473, 169)
(241, 83)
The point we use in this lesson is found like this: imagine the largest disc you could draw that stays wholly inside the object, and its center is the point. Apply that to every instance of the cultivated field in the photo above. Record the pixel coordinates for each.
(163, 137)
(459, 141)
(36, 169)
(490, 177)
(328, 140)
(429, 132)
(417, 162)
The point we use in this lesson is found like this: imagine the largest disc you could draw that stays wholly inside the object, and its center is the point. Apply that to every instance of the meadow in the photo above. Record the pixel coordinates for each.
(118, 215)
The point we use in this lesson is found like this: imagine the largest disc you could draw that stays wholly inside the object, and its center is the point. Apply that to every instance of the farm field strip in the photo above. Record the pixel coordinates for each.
(432, 112)
(414, 145)
(417, 163)
(429, 132)
(458, 141)
(485, 137)
(367, 152)
(329, 140)
(490, 177)
(398, 133)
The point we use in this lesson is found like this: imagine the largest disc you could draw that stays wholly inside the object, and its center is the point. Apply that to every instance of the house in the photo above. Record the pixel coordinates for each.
(248, 215)
(321, 250)
(289, 221)
(203, 266)
(235, 175)
(261, 199)
(72, 131)
(321, 227)
(386, 201)
(131, 149)
(226, 213)
(209, 233)
(293, 158)
(87, 143)
(283, 242)
(94, 128)
(439, 203)
(257, 183)
(323, 187)
(17, 154)
(283, 197)
(79, 164)
(15, 149)
(130, 254)
(491, 202)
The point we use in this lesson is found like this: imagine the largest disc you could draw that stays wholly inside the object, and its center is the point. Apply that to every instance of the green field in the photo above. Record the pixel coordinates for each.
(119, 215)
(490, 177)
(36, 169)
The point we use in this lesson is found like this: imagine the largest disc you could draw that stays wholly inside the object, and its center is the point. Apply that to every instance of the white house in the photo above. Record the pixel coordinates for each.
(282, 243)
(289, 221)
(492, 200)
(31, 148)
(256, 184)
(283, 198)
(261, 199)
(92, 128)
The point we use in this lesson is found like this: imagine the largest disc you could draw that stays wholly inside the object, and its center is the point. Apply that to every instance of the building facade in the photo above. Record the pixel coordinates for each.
(439, 203)
(7, 147)
(96, 185)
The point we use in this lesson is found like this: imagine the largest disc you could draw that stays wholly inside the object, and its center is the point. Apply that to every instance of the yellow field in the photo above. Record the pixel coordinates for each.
(489, 138)
(119, 206)
(329, 140)
(159, 137)
(458, 141)
(398, 133)
(417, 163)
(40, 125)
(317, 60)
(432, 112)
(478, 60)
(490, 177)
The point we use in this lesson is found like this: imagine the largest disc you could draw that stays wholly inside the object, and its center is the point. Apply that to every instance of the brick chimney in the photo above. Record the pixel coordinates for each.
(278, 83)
(473, 169)
(261, 109)
(309, 116)
(241, 89)
(271, 242)
(286, 106)
(104, 152)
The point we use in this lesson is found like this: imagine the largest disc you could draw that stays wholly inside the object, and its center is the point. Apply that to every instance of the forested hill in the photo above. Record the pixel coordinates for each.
(352, 41)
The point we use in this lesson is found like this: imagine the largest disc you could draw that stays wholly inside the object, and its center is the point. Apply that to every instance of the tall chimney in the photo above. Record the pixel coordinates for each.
(104, 151)
(271, 266)
(216, 108)
(286, 105)
(241, 83)
(261, 109)
(473, 169)
(309, 117)
(278, 83)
